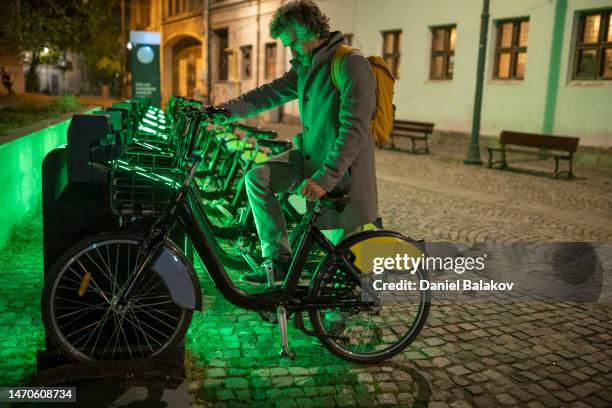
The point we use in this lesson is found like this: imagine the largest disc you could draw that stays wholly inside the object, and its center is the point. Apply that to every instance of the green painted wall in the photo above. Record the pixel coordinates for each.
(20, 177)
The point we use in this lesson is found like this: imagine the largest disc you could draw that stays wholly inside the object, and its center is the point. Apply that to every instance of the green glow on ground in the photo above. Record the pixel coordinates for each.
(236, 341)
(21, 328)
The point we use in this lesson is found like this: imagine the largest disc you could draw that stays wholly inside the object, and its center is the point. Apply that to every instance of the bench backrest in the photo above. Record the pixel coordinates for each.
(567, 144)
(413, 126)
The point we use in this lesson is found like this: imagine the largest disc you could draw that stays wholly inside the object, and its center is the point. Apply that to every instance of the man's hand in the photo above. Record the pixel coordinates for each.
(311, 190)
(217, 114)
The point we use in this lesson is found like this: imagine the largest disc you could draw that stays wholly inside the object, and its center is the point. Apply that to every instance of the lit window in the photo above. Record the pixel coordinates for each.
(392, 45)
(222, 39)
(593, 53)
(442, 52)
(270, 61)
(511, 48)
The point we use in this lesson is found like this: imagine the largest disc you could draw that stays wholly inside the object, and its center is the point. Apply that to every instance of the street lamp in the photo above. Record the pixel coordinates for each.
(473, 156)
(45, 52)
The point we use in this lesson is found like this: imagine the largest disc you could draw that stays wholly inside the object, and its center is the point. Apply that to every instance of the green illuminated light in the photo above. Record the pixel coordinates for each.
(145, 175)
(147, 129)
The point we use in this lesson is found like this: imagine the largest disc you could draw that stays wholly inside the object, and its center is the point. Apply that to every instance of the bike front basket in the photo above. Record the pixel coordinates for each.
(140, 192)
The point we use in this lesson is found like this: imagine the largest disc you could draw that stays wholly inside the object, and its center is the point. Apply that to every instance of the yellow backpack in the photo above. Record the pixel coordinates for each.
(381, 124)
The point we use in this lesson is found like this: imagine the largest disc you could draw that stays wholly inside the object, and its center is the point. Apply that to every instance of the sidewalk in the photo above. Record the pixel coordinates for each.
(481, 354)
(484, 354)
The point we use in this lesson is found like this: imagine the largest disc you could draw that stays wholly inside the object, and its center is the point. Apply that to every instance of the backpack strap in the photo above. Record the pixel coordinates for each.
(336, 64)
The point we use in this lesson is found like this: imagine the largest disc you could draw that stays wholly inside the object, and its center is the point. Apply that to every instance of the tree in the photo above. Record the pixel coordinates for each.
(89, 27)
(103, 48)
(33, 25)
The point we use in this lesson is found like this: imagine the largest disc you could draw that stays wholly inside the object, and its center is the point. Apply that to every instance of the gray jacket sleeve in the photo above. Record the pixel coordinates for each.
(357, 87)
(267, 96)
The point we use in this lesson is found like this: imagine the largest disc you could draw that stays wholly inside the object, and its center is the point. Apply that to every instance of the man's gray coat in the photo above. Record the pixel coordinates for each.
(336, 142)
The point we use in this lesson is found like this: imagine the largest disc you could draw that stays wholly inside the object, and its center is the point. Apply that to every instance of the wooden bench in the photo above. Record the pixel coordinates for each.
(413, 130)
(559, 147)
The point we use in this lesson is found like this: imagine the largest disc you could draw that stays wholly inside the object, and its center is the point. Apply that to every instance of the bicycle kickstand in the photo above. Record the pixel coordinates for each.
(285, 351)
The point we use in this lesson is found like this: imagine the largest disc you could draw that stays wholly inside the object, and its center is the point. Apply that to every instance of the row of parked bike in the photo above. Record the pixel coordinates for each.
(130, 292)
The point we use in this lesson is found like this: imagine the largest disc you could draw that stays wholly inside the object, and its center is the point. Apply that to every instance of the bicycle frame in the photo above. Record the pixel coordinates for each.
(290, 293)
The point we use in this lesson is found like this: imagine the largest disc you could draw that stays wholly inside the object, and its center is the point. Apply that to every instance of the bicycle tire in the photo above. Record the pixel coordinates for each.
(317, 292)
(62, 272)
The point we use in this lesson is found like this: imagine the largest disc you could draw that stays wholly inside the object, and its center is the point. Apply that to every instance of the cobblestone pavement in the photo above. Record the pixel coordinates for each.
(479, 354)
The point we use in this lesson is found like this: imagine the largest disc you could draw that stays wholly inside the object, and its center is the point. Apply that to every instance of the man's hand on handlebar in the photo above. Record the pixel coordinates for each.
(217, 114)
(311, 190)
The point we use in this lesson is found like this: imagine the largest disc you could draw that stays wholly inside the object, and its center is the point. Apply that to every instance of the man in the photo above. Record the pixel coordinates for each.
(7, 81)
(335, 150)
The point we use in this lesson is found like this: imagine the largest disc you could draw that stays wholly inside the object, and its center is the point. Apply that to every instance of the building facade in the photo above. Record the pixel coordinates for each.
(243, 56)
(66, 76)
(548, 62)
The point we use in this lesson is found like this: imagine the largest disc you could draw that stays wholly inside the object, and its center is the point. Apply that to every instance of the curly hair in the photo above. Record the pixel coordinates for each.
(302, 15)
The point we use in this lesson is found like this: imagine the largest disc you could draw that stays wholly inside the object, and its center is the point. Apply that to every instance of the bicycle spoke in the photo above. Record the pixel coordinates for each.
(89, 310)
(149, 288)
(115, 331)
(99, 333)
(159, 303)
(107, 265)
(77, 302)
(154, 317)
(113, 284)
(89, 328)
(117, 268)
(162, 312)
(84, 328)
(138, 326)
(145, 334)
(127, 343)
(154, 329)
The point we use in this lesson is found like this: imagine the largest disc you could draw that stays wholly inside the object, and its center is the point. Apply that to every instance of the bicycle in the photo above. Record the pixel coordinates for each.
(125, 295)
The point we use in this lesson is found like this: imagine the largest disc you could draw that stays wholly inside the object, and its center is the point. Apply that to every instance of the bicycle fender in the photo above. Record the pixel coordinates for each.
(179, 277)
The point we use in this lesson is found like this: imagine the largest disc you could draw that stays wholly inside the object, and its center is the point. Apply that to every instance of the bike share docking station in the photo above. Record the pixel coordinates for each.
(76, 206)
(120, 293)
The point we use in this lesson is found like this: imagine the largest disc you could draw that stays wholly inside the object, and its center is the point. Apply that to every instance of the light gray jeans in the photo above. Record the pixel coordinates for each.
(282, 173)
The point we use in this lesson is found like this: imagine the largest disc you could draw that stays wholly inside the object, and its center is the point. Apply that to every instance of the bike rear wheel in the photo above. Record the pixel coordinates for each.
(373, 334)
(78, 311)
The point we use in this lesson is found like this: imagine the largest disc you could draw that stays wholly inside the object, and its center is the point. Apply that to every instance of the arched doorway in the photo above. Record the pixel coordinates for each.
(187, 68)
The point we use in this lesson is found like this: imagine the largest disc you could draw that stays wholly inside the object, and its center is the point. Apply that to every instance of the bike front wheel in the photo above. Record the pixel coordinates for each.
(374, 333)
(81, 317)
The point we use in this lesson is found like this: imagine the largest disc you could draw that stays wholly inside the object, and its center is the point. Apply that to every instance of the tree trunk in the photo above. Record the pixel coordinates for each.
(105, 90)
(32, 81)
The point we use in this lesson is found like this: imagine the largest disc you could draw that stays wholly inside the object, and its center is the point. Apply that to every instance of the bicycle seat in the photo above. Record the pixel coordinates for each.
(275, 145)
(336, 199)
(257, 132)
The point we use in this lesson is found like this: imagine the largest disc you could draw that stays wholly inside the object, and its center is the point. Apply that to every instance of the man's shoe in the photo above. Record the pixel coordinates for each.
(277, 267)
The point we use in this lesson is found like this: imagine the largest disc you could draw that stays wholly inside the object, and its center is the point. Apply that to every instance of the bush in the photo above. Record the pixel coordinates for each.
(24, 111)
(66, 103)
